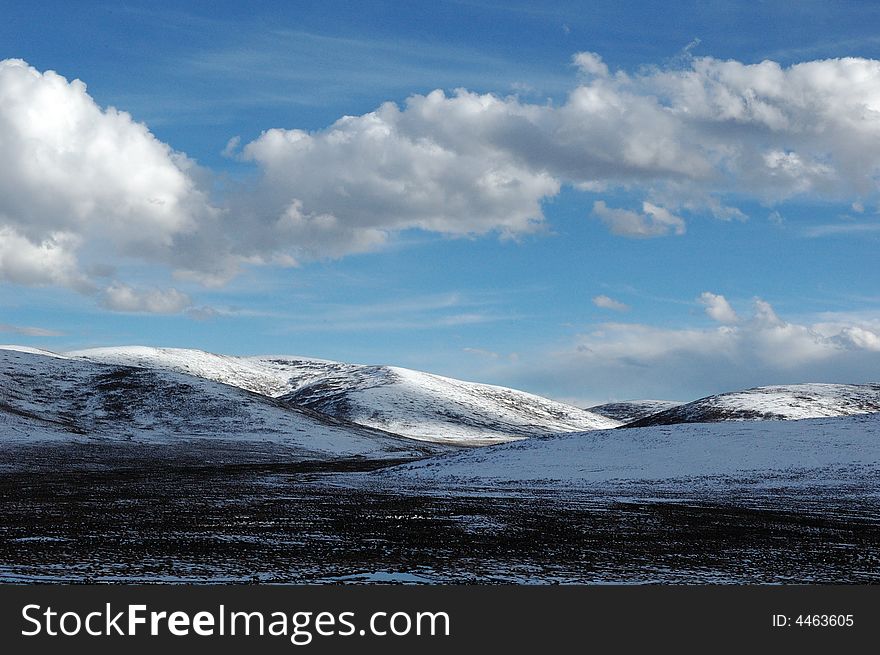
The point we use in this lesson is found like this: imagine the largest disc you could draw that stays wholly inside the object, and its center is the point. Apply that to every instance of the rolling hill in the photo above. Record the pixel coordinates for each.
(782, 402)
(47, 397)
(409, 403)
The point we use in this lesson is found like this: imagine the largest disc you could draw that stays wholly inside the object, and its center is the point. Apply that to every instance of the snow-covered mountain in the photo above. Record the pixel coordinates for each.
(793, 401)
(810, 451)
(406, 402)
(632, 410)
(45, 397)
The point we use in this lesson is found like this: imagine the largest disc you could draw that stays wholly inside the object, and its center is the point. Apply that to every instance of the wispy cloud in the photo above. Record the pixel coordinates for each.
(307, 68)
(841, 229)
(606, 302)
(432, 311)
(491, 354)
(29, 331)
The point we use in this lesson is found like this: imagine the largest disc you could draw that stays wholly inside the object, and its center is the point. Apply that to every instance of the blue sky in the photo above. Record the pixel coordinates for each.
(625, 202)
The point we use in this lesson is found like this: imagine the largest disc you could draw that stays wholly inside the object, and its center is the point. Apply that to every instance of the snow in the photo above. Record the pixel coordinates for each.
(51, 398)
(267, 376)
(693, 450)
(33, 351)
(410, 403)
(432, 407)
(781, 402)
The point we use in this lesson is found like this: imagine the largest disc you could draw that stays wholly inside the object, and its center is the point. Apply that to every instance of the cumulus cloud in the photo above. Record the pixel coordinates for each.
(688, 137)
(717, 308)
(638, 360)
(84, 187)
(590, 63)
(75, 177)
(606, 302)
(123, 298)
(48, 261)
(430, 165)
(652, 221)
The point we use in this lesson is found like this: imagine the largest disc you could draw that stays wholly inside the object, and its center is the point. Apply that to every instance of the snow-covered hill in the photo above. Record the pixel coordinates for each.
(632, 410)
(840, 447)
(50, 397)
(794, 401)
(406, 402)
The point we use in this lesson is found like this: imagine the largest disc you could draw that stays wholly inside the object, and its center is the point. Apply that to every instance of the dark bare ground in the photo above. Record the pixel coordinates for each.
(224, 513)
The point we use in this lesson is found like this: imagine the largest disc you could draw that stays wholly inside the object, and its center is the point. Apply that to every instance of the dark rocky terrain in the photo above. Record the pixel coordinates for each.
(222, 513)
(632, 410)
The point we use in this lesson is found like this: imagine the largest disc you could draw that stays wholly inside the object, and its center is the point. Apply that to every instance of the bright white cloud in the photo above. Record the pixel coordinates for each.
(606, 302)
(75, 177)
(431, 165)
(84, 187)
(472, 163)
(123, 298)
(717, 308)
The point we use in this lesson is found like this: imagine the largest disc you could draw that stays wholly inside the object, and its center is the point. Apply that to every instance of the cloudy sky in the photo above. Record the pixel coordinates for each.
(584, 201)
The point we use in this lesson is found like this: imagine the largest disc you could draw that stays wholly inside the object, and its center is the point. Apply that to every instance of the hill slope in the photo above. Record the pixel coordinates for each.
(632, 410)
(841, 447)
(784, 402)
(49, 397)
(406, 402)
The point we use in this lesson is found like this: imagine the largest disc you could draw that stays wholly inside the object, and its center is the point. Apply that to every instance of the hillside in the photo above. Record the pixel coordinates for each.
(632, 410)
(811, 451)
(410, 403)
(783, 402)
(48, 397)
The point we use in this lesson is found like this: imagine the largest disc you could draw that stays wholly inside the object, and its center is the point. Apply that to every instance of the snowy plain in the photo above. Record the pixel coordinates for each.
(840, 447)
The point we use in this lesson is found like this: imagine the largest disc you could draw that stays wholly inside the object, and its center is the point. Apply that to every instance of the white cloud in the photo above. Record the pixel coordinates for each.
(76, 178)
(859, 338)
(123, 298)
(231, 148)
(472, 163)
(653, 221)
(630, 360)
(717, 308)
(431, 165)
(606, 302)
(590, 63)
(84, 188)
(49, 261)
